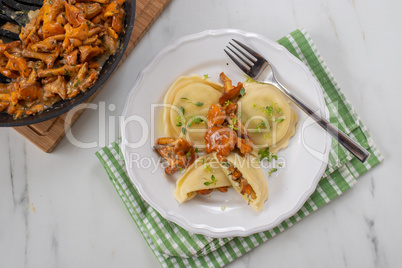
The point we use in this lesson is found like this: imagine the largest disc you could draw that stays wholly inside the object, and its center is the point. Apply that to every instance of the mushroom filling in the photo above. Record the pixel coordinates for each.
(241, 182)
(223, 189)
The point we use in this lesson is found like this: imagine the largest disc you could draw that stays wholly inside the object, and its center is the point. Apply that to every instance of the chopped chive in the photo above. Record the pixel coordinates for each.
(198, 104)
(272, 171)
(242, 91)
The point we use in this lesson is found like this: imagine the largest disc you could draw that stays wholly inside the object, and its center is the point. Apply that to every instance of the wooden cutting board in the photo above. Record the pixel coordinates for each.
(47, 135)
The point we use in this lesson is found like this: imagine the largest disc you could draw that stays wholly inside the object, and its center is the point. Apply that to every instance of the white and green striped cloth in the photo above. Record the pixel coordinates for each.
(175, 247)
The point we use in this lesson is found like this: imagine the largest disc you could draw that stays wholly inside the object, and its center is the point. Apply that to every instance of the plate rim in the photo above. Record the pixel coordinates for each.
(205, 229)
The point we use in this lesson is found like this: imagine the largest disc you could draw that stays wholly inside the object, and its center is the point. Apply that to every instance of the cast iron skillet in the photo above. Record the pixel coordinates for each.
(64, 106)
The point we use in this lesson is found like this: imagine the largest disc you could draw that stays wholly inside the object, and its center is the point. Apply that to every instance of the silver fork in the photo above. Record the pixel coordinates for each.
(259, 69)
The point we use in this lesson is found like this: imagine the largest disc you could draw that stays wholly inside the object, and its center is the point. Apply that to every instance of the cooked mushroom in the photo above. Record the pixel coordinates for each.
(178, 152)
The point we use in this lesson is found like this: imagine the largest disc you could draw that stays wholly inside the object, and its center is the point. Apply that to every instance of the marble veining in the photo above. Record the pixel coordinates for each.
(358, 20)
(372, 186)
(333, 25)
(55, 247)
(60, 210)
(373, 240)
(10, 168)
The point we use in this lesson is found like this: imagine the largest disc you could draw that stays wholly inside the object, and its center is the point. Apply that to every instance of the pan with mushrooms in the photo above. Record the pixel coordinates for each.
(63, 56)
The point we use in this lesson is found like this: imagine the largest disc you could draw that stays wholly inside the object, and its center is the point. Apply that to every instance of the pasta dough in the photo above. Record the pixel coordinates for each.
(268, 116)
(204, 173)
(192, 95)
(249, 167)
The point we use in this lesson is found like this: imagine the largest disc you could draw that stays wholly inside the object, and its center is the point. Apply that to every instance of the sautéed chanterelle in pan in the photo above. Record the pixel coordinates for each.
(234, 126)
(60, 53)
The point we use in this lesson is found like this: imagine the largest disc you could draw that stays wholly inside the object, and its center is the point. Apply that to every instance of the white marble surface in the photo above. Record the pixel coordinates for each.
(60, 210)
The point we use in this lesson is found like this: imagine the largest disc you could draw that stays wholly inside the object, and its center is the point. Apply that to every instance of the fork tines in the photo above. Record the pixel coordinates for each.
(248, 60)
(249, 50)
(248, 56)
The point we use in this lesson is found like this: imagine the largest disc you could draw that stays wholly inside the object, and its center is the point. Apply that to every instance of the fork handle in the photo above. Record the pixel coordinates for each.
(356, 149)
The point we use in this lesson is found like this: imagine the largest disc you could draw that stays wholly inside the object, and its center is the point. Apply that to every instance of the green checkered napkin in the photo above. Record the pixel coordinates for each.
(175, 247)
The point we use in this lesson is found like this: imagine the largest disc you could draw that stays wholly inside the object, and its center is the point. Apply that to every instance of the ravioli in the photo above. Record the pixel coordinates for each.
(188, 101)
(251, 172)
(267, 115)
(204, 174)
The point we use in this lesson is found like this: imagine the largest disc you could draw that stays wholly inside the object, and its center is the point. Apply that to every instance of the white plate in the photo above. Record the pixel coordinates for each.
(222, 214)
